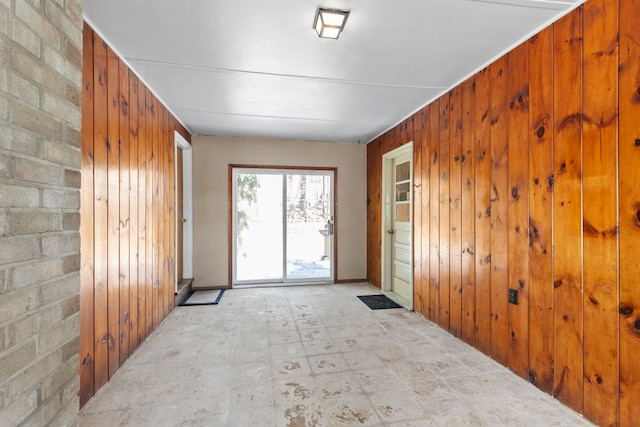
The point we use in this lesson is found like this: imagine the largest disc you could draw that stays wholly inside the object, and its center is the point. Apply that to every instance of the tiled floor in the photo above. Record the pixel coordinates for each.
(313, 356)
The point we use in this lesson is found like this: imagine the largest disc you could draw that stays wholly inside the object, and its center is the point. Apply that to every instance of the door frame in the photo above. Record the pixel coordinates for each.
(187, 207)
(231, 219)
(387, 216)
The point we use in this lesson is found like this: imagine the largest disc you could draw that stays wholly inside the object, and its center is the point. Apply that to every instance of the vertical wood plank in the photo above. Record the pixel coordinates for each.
(161, 207)
(444, 139)
(482, 174)
(434, 211)
(455, 213)
(518, 83)
(134, 234)
(101, 213)
(567, 210)
(540, 206)
(425, 214)
(629, 158)
(418, 292)
(600, 224)
(467, 212)
(499, 212)
(150, 164)
(87, 225)
(142, 213)
(172, 219)
(125, 222)
(113, 221)
(155, 212)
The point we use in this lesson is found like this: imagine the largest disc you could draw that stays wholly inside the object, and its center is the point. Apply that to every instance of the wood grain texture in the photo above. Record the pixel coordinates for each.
(518, 160)
(467, 209)
(87, 387)
(418, 290)
(482, 176)
(444, 225)
(600, 222)
(434, 211)
(629, 158)
(125, 219)
(556, 128)
(455, 212)
(118, 301)
(100, 216)
(424, 219)
(540, 207)
(567, 210)
(499, 212)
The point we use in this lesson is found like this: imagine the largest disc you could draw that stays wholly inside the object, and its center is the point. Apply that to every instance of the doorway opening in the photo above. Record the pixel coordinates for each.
(183, 188)
(282, 225)
(397, 225)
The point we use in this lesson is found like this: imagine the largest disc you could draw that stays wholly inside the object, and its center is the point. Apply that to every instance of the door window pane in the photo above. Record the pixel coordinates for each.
(259, 253)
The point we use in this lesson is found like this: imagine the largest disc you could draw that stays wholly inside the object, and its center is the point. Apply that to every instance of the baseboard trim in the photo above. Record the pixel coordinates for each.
(337, 282)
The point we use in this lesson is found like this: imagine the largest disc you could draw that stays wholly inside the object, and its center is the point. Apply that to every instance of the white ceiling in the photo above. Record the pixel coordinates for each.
(257, 68)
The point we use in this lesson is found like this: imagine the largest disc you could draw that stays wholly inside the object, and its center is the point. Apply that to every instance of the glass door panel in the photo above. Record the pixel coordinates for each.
(258, 227)
(282, 226)
(309, 227)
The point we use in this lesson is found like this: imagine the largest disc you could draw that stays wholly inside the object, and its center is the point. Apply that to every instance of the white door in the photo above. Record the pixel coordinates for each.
(398, 211)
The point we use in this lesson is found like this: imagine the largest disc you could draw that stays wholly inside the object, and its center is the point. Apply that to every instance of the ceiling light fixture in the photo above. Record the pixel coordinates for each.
(329, 23)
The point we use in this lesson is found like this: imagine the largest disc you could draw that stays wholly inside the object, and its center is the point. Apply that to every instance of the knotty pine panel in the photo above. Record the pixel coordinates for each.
(417, 212)
(540, 205)
(599, 205)
(567, 211)
(455, 212)
(570, 234)
(127, 161)
(629, 123)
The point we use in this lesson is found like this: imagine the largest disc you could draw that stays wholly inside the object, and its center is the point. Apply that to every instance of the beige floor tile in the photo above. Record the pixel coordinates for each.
(312, 356)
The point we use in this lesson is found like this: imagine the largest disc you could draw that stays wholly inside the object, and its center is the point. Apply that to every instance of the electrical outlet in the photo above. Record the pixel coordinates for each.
(513, 296)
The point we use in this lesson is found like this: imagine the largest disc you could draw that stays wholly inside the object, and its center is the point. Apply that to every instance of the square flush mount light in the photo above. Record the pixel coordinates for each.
(329, 23)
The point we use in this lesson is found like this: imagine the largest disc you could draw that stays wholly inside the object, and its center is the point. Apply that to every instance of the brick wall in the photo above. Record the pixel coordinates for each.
(40, 91)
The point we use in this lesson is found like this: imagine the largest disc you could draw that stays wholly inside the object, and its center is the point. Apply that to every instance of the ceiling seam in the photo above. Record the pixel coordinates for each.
(297, 76)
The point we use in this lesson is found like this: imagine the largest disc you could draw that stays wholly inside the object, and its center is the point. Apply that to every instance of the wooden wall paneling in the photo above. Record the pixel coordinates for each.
(499, 212)
(171, 237)
(169, 219)
(455, 213)
(417, 213)
(374, 237)
(629, 158)
(518, 83)
(101, 214)
(567, 210)
(540, 209)
(444, 140)
(482, 181)
(600, 224)
(113, 221)
(424, 219)
(434, 211)
(134, 234)
(155, 212)
(87, 224)
(142, 213)
(125, 222)
(149, 297)
(126, 235)
(162, 214)
(468, 212)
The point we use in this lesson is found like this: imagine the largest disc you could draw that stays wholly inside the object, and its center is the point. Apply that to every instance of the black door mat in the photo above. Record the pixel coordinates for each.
(203, 298)
(378, 302)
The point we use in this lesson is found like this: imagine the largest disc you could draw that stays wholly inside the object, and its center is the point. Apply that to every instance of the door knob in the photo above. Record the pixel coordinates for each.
(183, 219)
(391, 231)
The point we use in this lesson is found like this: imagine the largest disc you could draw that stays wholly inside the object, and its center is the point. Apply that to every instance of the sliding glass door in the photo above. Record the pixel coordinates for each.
(283, 226)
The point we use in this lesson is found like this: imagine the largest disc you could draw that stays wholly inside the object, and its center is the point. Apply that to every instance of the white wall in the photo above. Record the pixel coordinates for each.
(211, 159)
